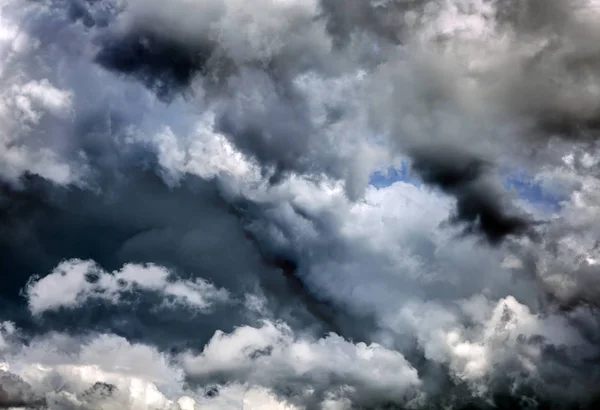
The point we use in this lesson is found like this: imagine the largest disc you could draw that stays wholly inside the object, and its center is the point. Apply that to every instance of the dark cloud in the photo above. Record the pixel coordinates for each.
(480, 205)
(125, 224)
(259, 98)
(112, 232)
(164, 65)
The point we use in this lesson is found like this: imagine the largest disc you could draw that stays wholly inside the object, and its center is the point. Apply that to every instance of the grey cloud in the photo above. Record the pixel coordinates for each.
(191, 231)
(278, 90)
(480, 204)
(15, 392)
(564, 260)
(535, 17)
(384, 19)
(546, 68)
(163, 65)
(463, 339)
(232, 141)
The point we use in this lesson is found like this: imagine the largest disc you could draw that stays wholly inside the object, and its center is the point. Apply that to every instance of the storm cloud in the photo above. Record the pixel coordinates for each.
(190, 218)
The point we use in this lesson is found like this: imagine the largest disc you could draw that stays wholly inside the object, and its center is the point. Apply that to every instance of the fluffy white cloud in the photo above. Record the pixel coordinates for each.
(25, 109)
(501, 337)
(313, 370)
(75, 281)
(108, 372)
(105, 372)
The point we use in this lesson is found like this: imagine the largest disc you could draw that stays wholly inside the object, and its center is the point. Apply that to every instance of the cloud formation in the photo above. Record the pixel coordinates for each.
(74, 282)
(187, 220)
(304, 370)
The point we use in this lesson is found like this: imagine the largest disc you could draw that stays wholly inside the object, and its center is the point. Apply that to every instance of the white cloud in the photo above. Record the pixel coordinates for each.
(205, 153)
(498, 339)
(272, 356)
(391, 247)
(67, 373)
(108, 372)
(25, 108)
(74, 282)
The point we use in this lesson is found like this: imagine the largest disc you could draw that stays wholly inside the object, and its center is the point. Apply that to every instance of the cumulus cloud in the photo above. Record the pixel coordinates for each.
(305, 371)
(75, 281)
(214, 157)
(255, 70)
(427, 293)
(100, 372)
(105, 371)
(507, 343)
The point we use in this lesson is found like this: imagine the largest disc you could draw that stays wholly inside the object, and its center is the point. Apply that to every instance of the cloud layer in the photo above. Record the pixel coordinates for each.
(187, 220)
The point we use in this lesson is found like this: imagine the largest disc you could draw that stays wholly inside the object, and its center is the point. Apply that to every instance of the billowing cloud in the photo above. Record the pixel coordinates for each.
(305, 371)
(56, 371)
(106, 371)
(75, 281)
(186, 218)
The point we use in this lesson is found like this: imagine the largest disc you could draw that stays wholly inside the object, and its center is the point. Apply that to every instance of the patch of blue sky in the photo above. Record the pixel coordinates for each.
(532, 191)
(520, 182)
(389, 176)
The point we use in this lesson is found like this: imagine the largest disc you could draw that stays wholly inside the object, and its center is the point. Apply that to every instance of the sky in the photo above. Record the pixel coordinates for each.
(299, 204)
